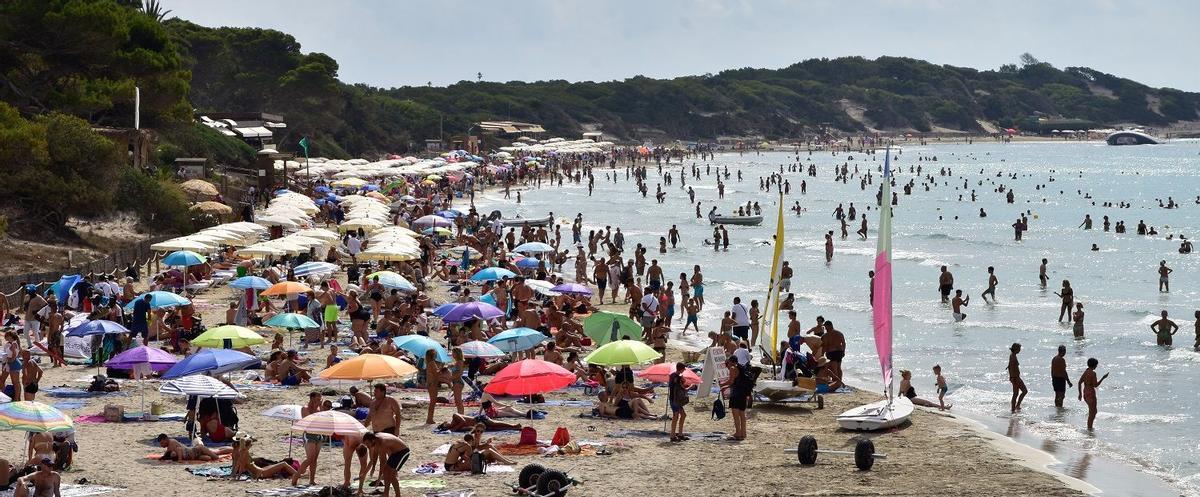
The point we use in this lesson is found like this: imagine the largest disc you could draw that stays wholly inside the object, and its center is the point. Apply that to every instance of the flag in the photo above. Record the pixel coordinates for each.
(304, 145)
(882, 312)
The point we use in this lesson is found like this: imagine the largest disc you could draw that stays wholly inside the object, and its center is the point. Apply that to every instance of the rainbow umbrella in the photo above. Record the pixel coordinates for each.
(529, 377)
(330, 423)
(32, 416)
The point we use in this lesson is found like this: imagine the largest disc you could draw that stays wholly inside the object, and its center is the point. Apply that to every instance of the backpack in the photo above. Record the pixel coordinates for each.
(718, 410)
(561, 437)
(528, 436)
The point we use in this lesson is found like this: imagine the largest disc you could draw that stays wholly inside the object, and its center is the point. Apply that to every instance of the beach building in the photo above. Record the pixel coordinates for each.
(257, 129)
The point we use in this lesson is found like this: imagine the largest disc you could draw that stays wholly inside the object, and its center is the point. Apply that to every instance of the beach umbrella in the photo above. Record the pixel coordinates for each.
(31, 416)
(529, 263)
(528, 377)
(349, 183)
(180, 244)
(572, 289)
(211, 361)
(200, 386)
(314, 268)
(393, 280)
(286, 288)
(437, 231)
(449, 214)
(543, 287)
(417, 345)
(604, 327)
(199, 187)
(518, 339)
(481, 349)
(229, 337)
(210, 207)
(153, 358)
(286, 412)
(250, 282)
(366, 223)
(292, 320)
(369, 367)
(661, 373)
(330, 423)
(432, 221)
(441, 310)
(622, 353)
(97, 327)
(159, 300)
(492, 274)
(472, 310)
(398, 253)
(533, 248)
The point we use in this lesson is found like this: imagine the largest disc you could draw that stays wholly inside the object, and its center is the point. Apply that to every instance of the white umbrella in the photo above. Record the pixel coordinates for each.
(330, 423)
(180, 244)
(276, 221)
(201, 386)
(287, 412)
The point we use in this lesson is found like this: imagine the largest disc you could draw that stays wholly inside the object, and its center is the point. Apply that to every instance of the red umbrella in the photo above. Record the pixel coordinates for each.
(661, 373)
(529, 377)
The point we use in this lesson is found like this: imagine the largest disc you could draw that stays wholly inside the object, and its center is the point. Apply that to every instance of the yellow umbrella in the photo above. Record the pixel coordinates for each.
(199, 187)
(286, 288)
(369, 367)
(234, 337)
(210, 207)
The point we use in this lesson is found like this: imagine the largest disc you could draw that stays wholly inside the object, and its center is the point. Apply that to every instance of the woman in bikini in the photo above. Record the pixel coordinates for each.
(258, 468)
(1087, 385)
(358, 320)
(12, 362)
(434, 376)
(454, 375)
(907, 390)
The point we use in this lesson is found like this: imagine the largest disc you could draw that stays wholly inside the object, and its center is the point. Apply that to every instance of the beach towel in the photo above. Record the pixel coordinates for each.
(286, 491)
(186, 442)
(69, 404)
(711, 436)
(437, 468)
(77, 393)
(72, 490)
(157, 456)
(565, 403)
(211, 471)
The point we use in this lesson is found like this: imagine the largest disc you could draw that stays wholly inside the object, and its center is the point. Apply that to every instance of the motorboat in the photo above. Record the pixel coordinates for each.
(1131, 137)
(735, 220)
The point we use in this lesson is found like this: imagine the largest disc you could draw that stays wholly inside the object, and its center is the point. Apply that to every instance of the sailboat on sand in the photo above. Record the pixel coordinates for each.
(892, 411)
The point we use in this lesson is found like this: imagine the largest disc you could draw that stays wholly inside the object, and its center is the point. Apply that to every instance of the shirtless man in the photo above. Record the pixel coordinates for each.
(328, 300)
(833, 344)
(1164, 284)
(1059, 376)
(361, 399)
(698, 286)
(1042, 273)
(385, 412)
(945, 284)
(178, 452)
(33, 325)
(991, 289)
(54, 335)
(654, 274)
(1163, 330)
(1088, 383)
(1014, 377)
(957, 304)
(1196, 347)
(43, 483)
(392, 451)
(552, 354)
(673, 235)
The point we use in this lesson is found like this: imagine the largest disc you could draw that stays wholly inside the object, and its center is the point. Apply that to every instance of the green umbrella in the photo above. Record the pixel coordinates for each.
(622, 353)
(604, 327)
(228, 336)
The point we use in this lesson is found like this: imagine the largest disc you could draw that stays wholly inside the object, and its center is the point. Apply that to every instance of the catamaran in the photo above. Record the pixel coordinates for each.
(892, 411)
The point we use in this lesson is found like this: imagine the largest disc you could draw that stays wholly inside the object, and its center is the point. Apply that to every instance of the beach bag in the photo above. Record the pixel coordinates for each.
(528, 436)
(561, 437)
(478, 466)
(718, 410)
(114, 413)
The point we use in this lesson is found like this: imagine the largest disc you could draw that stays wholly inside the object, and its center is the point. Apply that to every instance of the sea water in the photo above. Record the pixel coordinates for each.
(1147, 406)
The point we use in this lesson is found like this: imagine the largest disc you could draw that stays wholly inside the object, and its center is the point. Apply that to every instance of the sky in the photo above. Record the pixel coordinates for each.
(390, 43)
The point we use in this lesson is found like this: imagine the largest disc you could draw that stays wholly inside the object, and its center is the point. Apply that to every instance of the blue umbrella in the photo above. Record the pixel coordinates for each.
(417, 345)
(247, 282)
(184, 258)
(97, 327)
(488, 299)
(518, 339)
(533, 247)
(444, 309)
(492, 274)
(291, 320)
(529, 263)
(315, 267)
(322, 189)
(211, 361)
(159, 300)
(62, 287)
(371, 188)
(449, 214)
(472, 310)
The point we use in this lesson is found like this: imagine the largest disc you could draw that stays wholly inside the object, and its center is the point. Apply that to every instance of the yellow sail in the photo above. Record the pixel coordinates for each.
(772, 304)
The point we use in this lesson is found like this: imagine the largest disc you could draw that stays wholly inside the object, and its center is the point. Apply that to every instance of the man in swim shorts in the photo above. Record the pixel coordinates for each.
(392, 451)
(698, 285)
(328, 301)
(1059, 377)
(945, 284)
(957, 304)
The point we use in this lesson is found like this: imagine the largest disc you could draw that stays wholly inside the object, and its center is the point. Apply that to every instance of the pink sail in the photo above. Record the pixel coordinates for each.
(882, 285)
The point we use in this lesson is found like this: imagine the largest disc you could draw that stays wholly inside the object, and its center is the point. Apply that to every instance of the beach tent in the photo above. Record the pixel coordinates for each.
(62, 287)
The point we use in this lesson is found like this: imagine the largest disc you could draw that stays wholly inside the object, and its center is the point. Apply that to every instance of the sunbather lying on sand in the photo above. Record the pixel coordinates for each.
(178, 452)
(635, 408)
(458, 422)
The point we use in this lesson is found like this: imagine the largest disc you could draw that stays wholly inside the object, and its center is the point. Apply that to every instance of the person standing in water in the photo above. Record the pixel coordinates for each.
(1042, 273)
(991, 289)
(957, 304)
(1059, 377)
(1068, 297)
(1088, 383)
(1163, 330)
(1014, 377)
(1077, 328)
(828, 247)
(945, 284)
(1164, 284)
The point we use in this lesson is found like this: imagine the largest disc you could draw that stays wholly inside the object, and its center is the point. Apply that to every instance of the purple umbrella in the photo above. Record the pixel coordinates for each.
(572, 289)
(472, 310)
(156, 358)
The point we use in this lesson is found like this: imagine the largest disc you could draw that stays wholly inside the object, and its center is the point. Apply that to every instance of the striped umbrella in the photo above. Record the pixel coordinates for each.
(28, 415)
(330, 423)
(200, 386)
(482, 349)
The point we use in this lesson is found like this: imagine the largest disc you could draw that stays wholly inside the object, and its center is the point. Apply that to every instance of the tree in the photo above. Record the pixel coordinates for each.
(1027, 59)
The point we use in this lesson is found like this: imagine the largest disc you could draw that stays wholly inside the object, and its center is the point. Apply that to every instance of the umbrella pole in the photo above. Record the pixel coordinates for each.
(291, 429)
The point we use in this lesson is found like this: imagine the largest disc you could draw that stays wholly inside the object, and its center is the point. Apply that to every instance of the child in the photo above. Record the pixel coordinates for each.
(941, 387)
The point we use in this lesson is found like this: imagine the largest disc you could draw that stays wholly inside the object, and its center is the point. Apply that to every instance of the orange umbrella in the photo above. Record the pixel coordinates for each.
(286, 288)
(369, 367)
